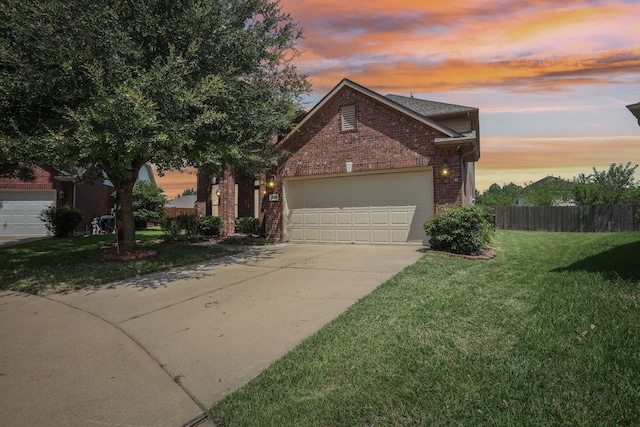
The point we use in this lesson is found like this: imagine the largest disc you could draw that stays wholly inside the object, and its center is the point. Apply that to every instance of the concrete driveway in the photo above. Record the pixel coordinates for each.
(160, 349)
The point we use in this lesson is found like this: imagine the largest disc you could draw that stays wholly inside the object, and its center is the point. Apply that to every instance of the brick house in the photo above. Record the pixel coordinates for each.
(22, 201)
(360, 168)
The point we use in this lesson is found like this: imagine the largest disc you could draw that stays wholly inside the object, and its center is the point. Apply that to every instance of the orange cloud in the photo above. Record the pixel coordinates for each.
(174, 183)
(541, 74)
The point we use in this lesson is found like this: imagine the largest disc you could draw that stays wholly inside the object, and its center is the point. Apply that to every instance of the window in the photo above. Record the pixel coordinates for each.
(348, 117)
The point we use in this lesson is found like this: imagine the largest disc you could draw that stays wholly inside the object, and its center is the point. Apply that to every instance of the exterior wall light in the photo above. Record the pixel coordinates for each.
(61, 194)
(445, 169)
(271, 183)
(218, 191)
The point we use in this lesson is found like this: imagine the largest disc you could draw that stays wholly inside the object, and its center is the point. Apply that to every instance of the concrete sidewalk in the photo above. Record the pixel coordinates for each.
(159, 349)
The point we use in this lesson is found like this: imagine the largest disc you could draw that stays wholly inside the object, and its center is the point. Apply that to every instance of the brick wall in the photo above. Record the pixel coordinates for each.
(93, 200)
(44, 180)
(384, 139)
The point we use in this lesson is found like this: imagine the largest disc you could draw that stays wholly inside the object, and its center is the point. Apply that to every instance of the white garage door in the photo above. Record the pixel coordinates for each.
(382, 208)
(20, 211)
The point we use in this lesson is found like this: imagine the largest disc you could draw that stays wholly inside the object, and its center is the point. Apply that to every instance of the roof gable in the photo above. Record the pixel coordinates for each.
(346, 83)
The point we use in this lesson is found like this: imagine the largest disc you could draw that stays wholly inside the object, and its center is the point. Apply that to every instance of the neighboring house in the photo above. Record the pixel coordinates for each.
(95, 199)
(361, 168)
(22, 201)
(182, 202)
(548, 191)
(635, 110)
(182, 205)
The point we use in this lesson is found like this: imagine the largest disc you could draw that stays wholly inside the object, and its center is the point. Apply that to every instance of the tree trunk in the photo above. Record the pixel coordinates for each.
(125, 195)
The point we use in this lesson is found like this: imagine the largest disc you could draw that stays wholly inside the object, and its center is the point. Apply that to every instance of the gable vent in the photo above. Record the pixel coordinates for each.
(349, 117)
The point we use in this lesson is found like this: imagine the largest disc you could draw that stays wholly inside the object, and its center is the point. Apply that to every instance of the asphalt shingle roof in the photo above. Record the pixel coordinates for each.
(429, 108)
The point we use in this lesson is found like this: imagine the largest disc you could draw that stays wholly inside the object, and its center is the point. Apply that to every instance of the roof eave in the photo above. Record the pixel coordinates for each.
(467, 145)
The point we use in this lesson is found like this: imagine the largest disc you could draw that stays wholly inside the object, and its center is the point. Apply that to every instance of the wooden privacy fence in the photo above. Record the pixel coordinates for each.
(174, 212)
(588, 218)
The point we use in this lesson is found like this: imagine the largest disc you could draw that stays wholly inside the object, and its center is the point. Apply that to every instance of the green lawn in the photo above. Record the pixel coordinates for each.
(59, 265)
(548, 333)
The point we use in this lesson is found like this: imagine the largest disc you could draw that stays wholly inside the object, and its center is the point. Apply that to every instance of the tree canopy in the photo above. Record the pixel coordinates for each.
(495, 195)
(117, 84)
(616, 185)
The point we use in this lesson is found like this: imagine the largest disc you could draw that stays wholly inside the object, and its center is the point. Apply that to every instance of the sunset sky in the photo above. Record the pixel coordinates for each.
(551, 79)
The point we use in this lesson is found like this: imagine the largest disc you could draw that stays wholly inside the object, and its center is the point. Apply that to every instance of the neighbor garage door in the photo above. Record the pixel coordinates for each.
(20, 211)
(382, 208)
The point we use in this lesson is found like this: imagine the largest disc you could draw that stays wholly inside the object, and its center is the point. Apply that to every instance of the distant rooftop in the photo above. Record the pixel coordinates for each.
(429, 108)
(182, 202)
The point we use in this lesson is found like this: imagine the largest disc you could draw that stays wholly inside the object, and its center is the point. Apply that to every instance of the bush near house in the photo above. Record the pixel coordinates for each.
(461, 230)
(247, 225)
(148, 203)
(61, 221)
(210, 225)
(193, 226)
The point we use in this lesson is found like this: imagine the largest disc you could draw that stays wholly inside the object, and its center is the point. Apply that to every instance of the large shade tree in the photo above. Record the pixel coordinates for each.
(117, 84)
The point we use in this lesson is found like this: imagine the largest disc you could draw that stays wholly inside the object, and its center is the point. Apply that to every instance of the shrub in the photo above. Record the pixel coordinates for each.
(461, 230)
(190, 225)
(171, 228)
(247, 225)
(148, 203)
(60, 221)
(210, 225)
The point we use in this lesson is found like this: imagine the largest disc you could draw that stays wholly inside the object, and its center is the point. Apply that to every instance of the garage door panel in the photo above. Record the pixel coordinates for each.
(344, 218)
(327, 235)
(328, 219)
(311, 235)
(362, 236)
(297, 218)
(361, 218)
(344, 236)
(378, 218)
(400, 217)
(372, 208)
(311, 218)
(380, 236)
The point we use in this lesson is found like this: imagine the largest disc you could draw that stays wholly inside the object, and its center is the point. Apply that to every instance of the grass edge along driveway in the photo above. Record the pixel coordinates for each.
(60, 265)
(545, 334)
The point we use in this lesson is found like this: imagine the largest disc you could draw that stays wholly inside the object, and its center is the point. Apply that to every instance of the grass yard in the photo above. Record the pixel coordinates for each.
(548, 333)
(60, 265)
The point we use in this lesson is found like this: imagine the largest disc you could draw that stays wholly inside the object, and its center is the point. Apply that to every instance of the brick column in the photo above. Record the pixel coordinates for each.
(203, 198)
(227, 205)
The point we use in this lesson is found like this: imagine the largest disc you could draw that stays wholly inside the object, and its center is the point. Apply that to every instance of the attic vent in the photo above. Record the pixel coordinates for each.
(349, 117)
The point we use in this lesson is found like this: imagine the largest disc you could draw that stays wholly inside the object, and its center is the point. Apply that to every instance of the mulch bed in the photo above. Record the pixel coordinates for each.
(135, 255)
(487, 255)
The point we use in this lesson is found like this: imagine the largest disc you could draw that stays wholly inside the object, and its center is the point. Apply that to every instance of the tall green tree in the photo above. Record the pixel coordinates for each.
(116, 84)
(148, 203)
(613, 186)
(507, 195)
(548, 192)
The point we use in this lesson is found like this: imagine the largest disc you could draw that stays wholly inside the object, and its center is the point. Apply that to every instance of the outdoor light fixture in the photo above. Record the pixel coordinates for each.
(61, 194)
(271, 183)
(218, 191)
(445, 168)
